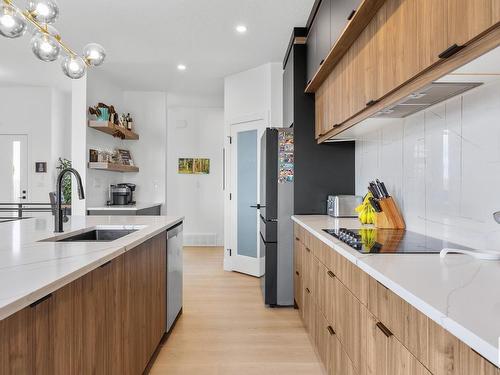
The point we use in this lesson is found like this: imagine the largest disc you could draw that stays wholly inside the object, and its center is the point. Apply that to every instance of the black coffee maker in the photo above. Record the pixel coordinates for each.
(121, 194)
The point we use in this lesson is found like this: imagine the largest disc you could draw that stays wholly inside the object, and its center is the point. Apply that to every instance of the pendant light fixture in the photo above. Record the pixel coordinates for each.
(46, 42)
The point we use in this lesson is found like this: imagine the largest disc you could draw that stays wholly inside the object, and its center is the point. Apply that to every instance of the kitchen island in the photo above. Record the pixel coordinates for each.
(82, 307)
(432, 315)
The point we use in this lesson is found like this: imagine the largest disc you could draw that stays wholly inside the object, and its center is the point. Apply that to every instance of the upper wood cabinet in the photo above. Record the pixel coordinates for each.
(467, 19)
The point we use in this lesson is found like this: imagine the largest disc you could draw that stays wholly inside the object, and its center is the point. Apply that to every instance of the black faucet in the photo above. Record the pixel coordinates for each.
(59, 213)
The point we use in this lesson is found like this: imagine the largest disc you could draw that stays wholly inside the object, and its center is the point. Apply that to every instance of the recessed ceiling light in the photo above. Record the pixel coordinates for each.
(181, 67)
(241, 29)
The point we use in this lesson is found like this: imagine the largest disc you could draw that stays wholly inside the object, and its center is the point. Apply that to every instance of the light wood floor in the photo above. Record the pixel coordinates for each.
(226, 329)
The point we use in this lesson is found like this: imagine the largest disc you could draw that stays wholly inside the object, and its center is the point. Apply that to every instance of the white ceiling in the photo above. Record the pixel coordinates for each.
(146, 40)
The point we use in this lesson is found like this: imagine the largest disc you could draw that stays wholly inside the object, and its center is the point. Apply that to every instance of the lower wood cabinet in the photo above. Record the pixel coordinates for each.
(360, 327)
(109, 321)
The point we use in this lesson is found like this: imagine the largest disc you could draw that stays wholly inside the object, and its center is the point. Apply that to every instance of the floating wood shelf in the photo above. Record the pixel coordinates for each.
(364, 14)
(112, 129)
(113, 167)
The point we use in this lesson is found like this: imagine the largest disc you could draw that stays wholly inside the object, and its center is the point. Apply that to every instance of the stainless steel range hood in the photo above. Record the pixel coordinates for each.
(428, 96)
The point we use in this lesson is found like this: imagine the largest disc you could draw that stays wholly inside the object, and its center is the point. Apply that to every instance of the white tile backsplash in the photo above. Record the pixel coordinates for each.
(442, 166)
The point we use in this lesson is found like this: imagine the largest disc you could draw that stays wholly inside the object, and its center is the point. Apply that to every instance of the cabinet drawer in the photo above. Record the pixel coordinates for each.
(350, 316)
(322, 337)
(386, 355)
(309, 313)
(407, 323)
(297, 291)
(338, 361)
(355, 279)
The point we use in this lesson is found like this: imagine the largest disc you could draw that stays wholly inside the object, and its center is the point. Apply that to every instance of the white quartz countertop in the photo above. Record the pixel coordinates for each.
(29, 269)
(458, 292)
(129, 207)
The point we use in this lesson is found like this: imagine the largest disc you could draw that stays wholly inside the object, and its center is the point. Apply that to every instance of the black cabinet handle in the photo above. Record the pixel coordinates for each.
(257, 206)
(321, 62)
(330, 330)
(308, 291)
(371, 102)
(297, 273)
(309, 82)
(36, 303)
(331, 274)
(308, 250)
(450, 51)
(351, 15)
(335, 126)
(297, 239)
(384, 329)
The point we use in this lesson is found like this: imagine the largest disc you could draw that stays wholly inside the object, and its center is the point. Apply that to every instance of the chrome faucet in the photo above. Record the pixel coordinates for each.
(59, 212)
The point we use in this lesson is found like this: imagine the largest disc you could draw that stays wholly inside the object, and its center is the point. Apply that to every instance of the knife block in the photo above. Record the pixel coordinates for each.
(390, 217)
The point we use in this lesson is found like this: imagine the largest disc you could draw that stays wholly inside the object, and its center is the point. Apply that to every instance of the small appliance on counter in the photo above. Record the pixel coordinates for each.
(343, 205)
(121, 194)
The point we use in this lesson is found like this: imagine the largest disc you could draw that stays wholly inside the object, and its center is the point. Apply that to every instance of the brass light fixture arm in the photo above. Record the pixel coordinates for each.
(43, 28)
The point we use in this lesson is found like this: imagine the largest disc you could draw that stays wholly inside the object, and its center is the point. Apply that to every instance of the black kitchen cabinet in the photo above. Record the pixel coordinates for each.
(323, 41)
(288, 93)
(340, 12)
(327, 21)
(312, 67)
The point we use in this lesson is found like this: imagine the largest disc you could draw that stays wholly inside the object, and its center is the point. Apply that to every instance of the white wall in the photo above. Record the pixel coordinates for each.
(255, 94)
(149, 152)
(443, 166)
(196, 129)
(42, 113)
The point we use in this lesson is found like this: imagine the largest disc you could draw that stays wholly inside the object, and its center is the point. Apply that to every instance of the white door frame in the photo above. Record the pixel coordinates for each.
(24, 175)
(233, 261)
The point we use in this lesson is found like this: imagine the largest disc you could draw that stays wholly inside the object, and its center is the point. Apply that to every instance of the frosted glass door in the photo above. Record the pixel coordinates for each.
(247, 192)
(245, 179)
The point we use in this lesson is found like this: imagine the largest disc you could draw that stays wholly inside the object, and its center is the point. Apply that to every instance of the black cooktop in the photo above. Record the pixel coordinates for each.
(390, 241)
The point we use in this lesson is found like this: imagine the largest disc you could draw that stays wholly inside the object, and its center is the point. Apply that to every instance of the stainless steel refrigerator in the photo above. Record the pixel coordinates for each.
(276, 209)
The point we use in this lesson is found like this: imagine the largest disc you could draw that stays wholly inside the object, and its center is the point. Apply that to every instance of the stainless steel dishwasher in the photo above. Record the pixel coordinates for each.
(174, 274)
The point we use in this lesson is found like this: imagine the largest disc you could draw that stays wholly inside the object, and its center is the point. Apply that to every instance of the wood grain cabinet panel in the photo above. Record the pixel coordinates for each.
(297, 262)
(319, 110)
(431, 30)
(330, 298)
(449, 356)
(15, 345)
(404, 321)
(495, 11)
(350, 317)
(467, 19)
(322, 337)
(338, 361)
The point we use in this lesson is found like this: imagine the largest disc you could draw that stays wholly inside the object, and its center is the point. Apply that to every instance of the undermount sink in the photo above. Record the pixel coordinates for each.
(94, 235)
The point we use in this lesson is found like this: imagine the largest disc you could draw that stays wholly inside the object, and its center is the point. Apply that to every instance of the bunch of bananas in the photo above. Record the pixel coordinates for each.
(368, 237)
(365, 211)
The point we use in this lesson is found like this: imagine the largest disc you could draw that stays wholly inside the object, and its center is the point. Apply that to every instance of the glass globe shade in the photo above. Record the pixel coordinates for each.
(45, 45)
(44, 11)
(12, 24)
(94, 54)
(74, 67)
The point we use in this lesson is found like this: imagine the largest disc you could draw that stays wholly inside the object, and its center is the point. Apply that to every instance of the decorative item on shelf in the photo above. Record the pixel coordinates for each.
(124, 157)
(46, 42)
(93, 156)
(387, 214)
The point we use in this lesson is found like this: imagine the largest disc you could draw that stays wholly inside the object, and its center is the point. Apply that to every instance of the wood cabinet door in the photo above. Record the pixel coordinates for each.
(495, 11)
(377, 348)
(350, 322)
(297, 262)
(338, 361)
(467, 19)
(319, 110)
(401, 61)
(320, 286)
(309, 313)
(431, 30)
(15, 345)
